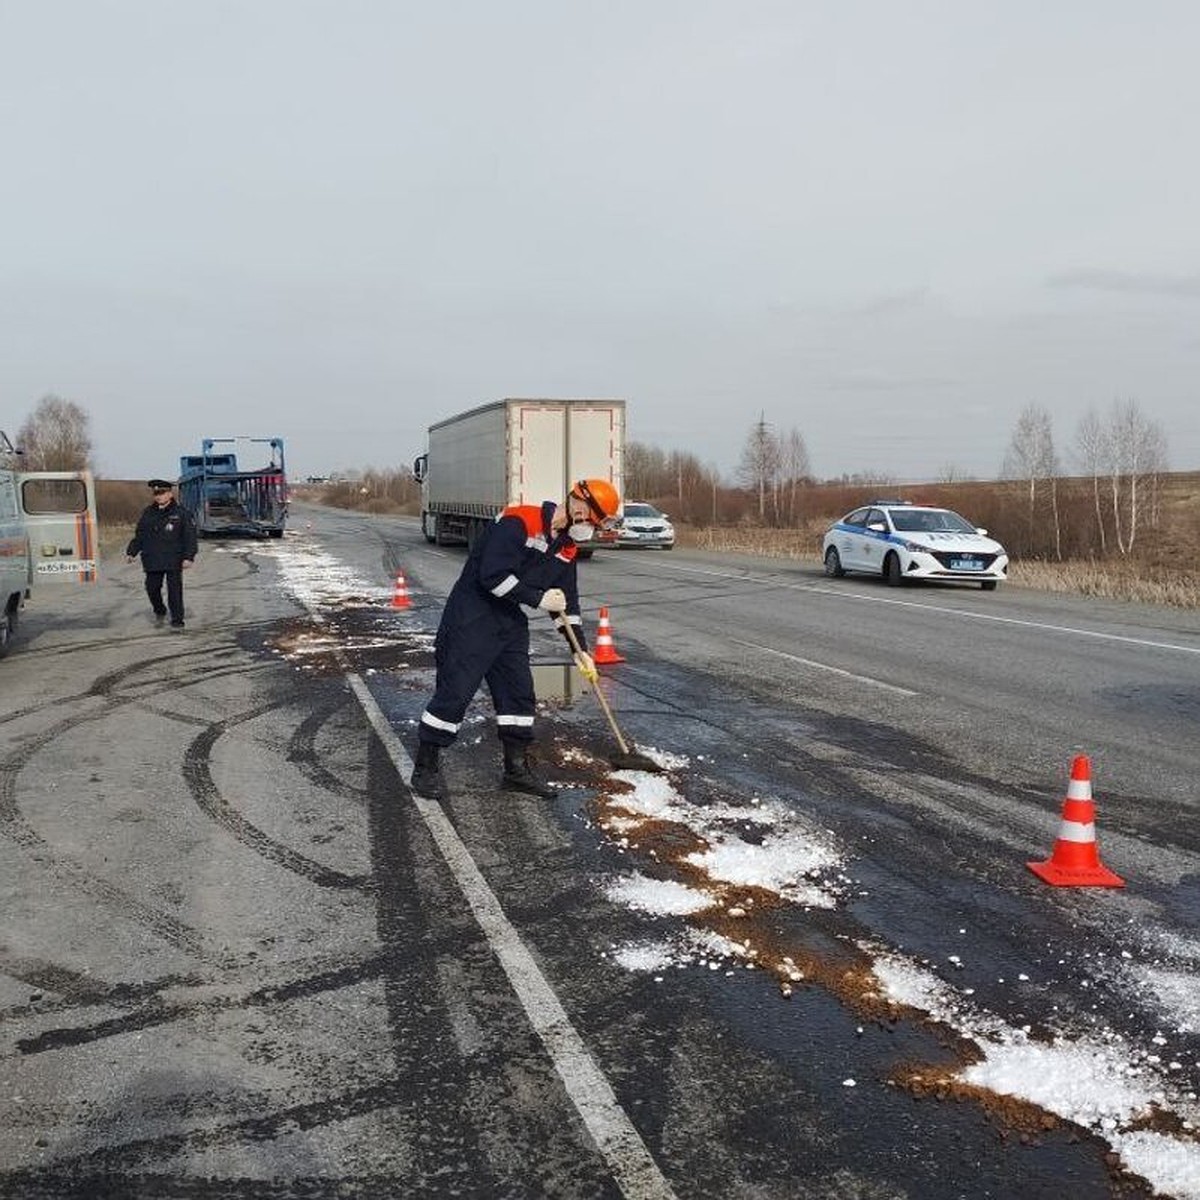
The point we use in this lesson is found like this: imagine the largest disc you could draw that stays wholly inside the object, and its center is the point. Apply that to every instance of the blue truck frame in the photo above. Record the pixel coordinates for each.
(222, 499)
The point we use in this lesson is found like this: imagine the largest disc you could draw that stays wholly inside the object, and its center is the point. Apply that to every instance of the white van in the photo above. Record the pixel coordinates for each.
(47, 536)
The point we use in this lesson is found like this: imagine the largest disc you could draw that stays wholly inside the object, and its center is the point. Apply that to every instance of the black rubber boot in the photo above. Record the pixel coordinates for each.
(518, 776)
(427, 778)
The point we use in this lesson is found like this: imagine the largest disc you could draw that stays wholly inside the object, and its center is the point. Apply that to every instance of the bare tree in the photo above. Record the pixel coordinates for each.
(795, 470)
(56, 436)
(643, 464)
(1094, 453)
(1031, 457)
(953, 473)
(1137, 456)
(759, 466)
(1158, 464)
(713, 478)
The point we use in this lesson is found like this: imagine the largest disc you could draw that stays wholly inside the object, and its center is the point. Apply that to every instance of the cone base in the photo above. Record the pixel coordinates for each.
(611, 657)
(1097, 876)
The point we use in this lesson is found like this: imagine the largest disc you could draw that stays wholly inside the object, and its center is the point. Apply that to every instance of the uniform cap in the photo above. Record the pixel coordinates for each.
(160, 485)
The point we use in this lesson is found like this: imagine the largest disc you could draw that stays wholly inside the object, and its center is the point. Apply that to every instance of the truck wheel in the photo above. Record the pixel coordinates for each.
(425, 527)
(475, 530)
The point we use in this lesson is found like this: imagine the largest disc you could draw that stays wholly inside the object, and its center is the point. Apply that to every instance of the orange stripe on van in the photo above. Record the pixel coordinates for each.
(85, 541)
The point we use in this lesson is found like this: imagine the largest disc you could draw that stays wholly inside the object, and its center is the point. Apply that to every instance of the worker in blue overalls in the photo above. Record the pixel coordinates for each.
(526, 557)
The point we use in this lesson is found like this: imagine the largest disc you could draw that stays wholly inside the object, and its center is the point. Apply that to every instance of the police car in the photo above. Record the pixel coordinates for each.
(900, 540)
(642, 524)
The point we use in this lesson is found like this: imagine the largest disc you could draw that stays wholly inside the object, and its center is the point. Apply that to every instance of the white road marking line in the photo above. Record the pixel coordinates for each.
(937, 608)
(808, 662)
(616, 1137)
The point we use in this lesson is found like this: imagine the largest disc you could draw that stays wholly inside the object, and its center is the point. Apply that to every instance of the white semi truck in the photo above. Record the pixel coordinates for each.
(514, 452)
(47, 533)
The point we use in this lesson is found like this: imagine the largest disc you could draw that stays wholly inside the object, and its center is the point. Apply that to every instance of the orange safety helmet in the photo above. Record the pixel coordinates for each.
(601, 497)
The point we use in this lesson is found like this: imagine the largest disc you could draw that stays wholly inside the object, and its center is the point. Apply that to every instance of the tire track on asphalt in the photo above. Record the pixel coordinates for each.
(14, 825)
(302, 751)
(66, 870)
(116, 1166)
(102, 686)
(151, 635)
(197, 773)
(157, 1013)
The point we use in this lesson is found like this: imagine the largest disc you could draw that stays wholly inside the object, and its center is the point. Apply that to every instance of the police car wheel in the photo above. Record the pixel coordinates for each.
(892, 574)
(833, 563)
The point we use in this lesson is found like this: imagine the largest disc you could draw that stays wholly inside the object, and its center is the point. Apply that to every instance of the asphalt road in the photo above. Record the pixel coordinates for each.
(239, 959)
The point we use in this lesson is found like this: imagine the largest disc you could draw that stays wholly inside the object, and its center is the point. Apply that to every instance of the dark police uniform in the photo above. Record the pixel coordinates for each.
(165, 537)
(484, 634)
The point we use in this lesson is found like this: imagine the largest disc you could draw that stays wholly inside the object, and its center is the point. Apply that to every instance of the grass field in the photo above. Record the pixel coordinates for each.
(1165, 571)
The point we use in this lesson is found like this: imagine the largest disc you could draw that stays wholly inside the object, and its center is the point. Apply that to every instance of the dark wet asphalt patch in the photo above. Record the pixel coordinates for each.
(359, 637)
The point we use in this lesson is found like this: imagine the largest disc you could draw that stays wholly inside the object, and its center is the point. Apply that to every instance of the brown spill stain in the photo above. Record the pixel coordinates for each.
(845, 971)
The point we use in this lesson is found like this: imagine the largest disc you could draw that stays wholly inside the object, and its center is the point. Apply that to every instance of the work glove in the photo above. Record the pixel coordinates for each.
(587, 666)
(553, 600)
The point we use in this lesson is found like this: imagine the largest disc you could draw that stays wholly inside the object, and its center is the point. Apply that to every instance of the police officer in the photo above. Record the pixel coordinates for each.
(527, 556)
(165, 537)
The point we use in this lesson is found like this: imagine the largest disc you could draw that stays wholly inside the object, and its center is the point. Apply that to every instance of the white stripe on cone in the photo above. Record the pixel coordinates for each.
(1076, 831)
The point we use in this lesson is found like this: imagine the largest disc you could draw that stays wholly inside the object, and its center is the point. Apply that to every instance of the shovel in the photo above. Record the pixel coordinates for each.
(629, 759)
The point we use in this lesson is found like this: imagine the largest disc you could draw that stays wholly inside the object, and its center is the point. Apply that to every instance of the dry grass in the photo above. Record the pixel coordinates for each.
(119, 503)
(113, 540)
(1113, 580)
(801, 545)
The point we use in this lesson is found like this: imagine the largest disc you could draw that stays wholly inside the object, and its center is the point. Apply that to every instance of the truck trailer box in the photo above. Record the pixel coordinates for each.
(514, 451)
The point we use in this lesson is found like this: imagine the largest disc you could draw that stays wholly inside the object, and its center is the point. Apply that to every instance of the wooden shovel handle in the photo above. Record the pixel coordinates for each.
(595, 687)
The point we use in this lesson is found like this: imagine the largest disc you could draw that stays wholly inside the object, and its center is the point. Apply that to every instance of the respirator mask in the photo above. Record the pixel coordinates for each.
(581, 531)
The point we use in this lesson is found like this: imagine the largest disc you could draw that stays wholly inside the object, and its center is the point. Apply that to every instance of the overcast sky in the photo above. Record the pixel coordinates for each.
(887, 225)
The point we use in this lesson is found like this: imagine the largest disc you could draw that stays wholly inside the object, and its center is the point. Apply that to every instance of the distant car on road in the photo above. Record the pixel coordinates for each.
(900, 541)
(643, 525)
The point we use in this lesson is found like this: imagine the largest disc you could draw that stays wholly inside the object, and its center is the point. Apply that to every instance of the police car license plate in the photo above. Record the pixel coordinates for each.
(966, 564)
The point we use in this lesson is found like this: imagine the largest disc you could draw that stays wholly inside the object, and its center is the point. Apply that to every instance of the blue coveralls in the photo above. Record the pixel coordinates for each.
(484, 634)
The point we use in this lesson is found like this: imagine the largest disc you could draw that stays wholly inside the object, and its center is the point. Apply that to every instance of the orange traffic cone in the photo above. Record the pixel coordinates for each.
(606, 651)
(1075, 860)
(400, 597)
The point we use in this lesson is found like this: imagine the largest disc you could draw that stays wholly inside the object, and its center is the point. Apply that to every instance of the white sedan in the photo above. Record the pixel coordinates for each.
(902, 541)
(643, 525)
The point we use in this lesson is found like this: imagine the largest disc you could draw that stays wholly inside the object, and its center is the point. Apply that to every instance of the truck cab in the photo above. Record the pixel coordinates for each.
(223, 498)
